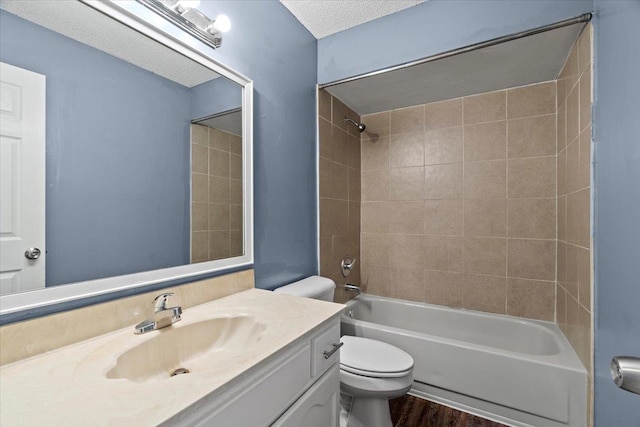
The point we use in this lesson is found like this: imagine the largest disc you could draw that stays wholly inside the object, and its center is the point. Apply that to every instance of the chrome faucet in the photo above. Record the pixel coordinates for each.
(162, 315)
(354, 288)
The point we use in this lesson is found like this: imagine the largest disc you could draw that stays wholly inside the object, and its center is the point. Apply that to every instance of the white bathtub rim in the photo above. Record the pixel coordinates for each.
(565, 357)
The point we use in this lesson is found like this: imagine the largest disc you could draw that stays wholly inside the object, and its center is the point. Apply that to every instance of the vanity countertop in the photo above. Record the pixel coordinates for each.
(69, 386)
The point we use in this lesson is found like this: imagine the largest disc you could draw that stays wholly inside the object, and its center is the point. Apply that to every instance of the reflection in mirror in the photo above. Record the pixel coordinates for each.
(144, 150)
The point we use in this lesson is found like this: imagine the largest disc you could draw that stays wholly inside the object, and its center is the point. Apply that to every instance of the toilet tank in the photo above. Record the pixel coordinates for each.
(315, 287)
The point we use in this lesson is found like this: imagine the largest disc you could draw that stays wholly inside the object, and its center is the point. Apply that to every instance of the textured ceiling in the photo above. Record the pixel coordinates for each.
(326, 17)
(86, 25)
(520, 62)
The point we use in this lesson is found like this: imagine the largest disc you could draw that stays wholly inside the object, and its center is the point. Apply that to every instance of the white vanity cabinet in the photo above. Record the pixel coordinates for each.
(297, 386)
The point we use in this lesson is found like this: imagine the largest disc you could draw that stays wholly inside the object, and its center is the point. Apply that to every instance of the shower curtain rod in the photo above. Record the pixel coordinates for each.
(577, 20)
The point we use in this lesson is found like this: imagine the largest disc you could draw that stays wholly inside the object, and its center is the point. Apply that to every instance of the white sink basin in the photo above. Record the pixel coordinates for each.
(193, 347)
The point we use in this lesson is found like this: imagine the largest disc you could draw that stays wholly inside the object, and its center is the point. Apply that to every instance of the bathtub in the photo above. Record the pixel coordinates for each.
(515, 371)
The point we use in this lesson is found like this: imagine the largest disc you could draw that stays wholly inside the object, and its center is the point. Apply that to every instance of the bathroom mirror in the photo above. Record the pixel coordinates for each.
(145, 158)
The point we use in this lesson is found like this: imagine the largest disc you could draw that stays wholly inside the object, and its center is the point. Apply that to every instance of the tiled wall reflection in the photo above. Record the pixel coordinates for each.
(339, 191)
(216, 194)
(574, 305)
(458, 202)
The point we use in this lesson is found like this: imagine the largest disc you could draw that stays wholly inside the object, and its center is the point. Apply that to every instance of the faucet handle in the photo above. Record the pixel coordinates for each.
(161, 301)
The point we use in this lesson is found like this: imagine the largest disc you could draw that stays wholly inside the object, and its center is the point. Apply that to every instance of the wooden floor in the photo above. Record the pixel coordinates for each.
(410, 411)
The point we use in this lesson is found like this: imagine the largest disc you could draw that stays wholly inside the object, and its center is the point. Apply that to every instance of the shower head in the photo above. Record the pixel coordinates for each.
(360, 126)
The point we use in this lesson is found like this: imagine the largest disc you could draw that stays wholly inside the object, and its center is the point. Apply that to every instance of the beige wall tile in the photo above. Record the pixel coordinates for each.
(485, 293)
(487, 107)
(569, 73)
(443, 181)
(406, 251)
(235, 217)
(338, 112)
(407, 284)
(354, 217)
(485, 141)
(219, 139)
(354, 159)
(443, 288)
(199, 158)
(584, 47)
(532, 100)
(375, 153)
(325, 138)
(406, 150)
(571, 282)
(219, 189)
(443, 217)
(585, 98)
(532, 218)
(219, 246)
(584, 164)
(531, 259)
(533, 299)
(199, 216)
(485, 217)
(355, 185)
(573, 165)
(200, 135)
(443, 114)
(376, 279)
(406, 183)
(574, 217)
(532, 137)
(532, 177)
(584, 338)
(340, 182)
(485, 179)
(374, 249)
(219, 217)
(235, 144)
(235, 191)
(334, 217)
(235, 166)
(573, 114)
(326, 255)
(236, 244)
(375, 217)
(377, 125)
(199, 246)
(443, 146)
(485, 255)
(561, 218)
(325, 176)
(561, 129)
(324, 104)
(340, 149)
(561, 307)
(406, 217)
(406, 120)
(584, 218)
(375, 185)
(199, 187)
(443, 253)
(584, 277)
(561, 261)
(561, 163)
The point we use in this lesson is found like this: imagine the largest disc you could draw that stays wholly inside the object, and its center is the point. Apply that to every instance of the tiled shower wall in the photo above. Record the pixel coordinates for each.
(574, 305)
(339, 191)
(459, 202)
(216, 194)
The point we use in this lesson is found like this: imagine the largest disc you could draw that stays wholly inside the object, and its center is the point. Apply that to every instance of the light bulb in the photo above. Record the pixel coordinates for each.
(222, 23)
(188, 4)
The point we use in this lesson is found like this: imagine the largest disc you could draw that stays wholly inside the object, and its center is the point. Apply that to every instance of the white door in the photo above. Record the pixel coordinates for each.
(22, 179)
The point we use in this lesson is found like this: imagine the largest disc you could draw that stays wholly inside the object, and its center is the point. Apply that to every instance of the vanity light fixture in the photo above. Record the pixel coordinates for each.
(184, 14)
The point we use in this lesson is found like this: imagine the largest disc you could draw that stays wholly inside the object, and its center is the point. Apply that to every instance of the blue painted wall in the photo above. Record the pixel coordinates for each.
(617, 203)
(213, 97)
(134, 178)
(433, 27)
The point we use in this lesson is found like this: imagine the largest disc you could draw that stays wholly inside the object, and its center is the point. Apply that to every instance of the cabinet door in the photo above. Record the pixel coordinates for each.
(318, 407)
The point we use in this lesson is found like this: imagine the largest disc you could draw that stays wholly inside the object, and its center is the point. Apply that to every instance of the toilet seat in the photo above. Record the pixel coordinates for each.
(374, 359)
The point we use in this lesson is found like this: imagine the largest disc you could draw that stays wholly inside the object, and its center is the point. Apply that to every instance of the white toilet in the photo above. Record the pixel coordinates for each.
(371, 372)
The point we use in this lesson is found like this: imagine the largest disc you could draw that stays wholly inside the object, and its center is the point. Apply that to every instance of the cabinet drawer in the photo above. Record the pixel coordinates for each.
(322, 349)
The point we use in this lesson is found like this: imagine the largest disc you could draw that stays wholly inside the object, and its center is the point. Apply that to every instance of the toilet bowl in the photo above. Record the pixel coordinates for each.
(371, 372)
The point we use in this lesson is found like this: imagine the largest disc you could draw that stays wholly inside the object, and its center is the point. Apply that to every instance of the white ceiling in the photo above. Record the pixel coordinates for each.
(520, 62)
(86, 25)
(229, 122)
(326, 17)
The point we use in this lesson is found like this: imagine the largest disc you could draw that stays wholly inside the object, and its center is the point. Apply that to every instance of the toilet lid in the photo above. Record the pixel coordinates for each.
(364, 356)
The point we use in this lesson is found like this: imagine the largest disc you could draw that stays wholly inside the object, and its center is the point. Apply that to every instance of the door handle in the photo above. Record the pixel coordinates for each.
(32, 253)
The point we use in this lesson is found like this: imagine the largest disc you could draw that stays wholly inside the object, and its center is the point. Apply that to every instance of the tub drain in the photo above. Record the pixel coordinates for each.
(179, 371)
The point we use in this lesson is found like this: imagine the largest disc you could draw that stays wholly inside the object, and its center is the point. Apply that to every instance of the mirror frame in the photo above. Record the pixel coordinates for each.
(130, 14)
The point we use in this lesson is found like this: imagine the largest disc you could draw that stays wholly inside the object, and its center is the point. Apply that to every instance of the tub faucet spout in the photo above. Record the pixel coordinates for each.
(353, 288)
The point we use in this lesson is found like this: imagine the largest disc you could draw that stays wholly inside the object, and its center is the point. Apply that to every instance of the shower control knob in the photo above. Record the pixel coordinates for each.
(32, 253)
